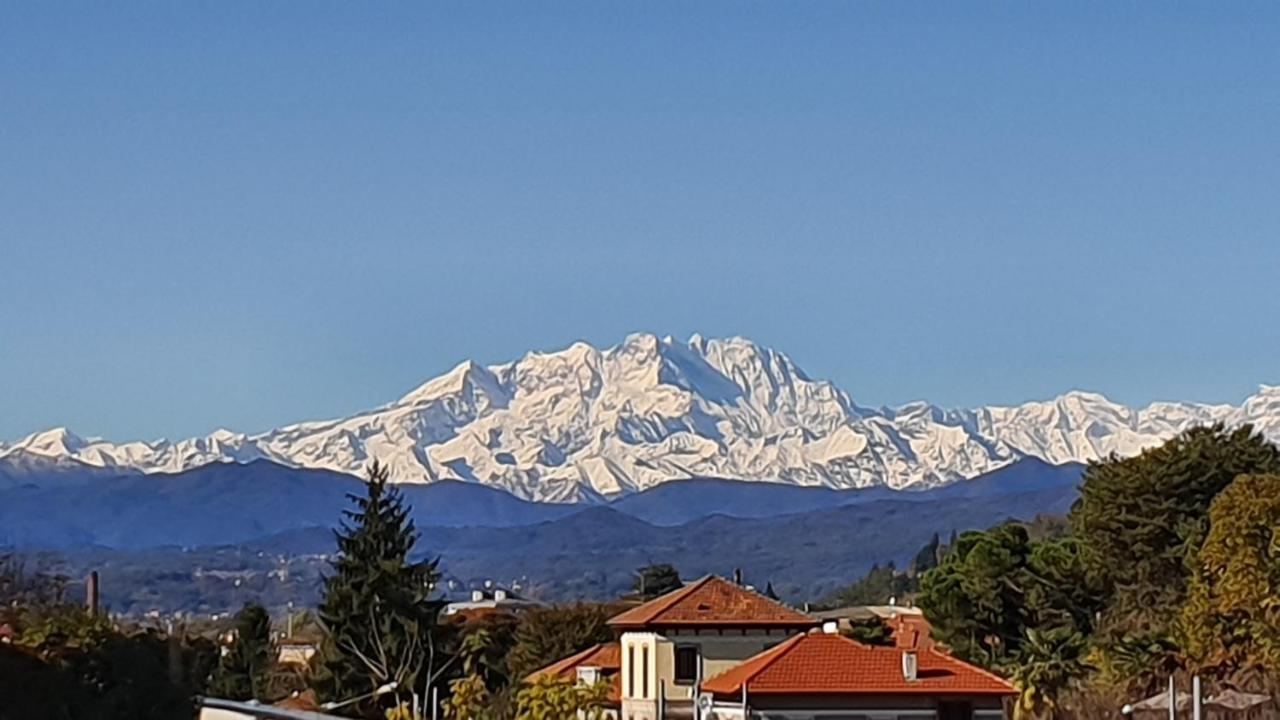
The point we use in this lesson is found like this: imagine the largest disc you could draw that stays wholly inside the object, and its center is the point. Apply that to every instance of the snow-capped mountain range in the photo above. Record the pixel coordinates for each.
(583, 423)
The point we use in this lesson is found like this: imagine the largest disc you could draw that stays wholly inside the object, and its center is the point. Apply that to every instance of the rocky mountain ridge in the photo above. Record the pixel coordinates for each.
(583, 424)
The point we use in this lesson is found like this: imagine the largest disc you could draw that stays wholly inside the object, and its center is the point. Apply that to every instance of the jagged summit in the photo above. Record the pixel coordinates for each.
(582, 423)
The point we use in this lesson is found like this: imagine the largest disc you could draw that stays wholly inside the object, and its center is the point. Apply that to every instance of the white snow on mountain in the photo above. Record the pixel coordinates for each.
(583, 423)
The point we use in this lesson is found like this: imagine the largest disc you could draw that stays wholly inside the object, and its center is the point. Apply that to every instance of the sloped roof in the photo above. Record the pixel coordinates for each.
(711, 601)
(606, 656)
(821, 663)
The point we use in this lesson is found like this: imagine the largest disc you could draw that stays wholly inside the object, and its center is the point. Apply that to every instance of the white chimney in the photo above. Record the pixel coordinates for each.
(477, 595)
(588, 675)
(831, 627)
(499, 595)
(910, 666)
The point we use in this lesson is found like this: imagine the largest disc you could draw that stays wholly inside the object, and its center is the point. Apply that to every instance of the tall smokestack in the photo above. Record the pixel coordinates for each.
(91, 593)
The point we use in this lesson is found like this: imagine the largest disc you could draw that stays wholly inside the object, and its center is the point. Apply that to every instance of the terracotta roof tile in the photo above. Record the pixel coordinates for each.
(820, 663)
(712, 601)
(606, 656)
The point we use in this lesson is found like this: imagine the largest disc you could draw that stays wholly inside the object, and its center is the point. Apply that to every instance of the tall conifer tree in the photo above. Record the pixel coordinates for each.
(241, 673)
(379, 605)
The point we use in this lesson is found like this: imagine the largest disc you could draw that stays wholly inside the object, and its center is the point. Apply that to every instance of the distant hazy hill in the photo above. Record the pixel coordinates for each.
(682, 501)
(58, 505)
(156, 530)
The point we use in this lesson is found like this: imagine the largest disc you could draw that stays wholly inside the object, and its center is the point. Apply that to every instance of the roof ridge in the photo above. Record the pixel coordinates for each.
(662, 603)
(562, 663)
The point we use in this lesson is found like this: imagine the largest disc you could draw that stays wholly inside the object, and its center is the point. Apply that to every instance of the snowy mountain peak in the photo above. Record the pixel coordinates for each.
(52, 442)
(581, 423)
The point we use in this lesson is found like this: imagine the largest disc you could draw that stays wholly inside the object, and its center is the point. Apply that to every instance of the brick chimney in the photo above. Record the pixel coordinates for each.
(91, 593)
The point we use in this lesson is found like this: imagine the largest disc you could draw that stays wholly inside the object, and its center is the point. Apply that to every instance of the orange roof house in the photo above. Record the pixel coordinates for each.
(605, 658)
(738, 655)
(827, 664)
(836, 674)
(711, 602)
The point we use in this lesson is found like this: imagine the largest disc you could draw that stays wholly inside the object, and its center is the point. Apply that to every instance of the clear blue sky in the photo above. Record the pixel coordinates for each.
(247, 214)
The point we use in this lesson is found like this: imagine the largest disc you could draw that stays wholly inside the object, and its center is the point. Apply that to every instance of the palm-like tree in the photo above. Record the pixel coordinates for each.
(1049, 662)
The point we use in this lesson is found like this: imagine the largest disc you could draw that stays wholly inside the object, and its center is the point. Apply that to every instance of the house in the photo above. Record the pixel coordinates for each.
(489, 600)
(672, 642)
(824, 674)
(599, 663)
(713, 648)
(295, 652)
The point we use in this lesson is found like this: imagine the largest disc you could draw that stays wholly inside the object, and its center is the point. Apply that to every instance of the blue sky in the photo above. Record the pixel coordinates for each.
(247, 214)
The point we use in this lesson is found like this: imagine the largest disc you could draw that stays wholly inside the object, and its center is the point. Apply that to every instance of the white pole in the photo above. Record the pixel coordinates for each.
(697, 690)
(1173, 699)
(744, 700)
(435, 701)
(1195, 698)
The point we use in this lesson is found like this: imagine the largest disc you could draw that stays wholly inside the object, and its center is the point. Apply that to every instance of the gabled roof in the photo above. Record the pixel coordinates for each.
(606, 656)
(712, 601)
(821, 663)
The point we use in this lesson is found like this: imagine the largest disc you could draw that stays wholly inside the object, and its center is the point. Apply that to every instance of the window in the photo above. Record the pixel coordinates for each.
(631, 670)
(955, 711)
(686, 664)
(644, 671)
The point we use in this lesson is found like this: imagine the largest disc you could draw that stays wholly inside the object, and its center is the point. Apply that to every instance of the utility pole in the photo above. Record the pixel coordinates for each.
(1195, 698)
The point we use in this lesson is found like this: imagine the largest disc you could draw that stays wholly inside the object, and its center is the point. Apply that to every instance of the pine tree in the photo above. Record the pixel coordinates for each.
(241, 673)
(655, 579)
(377, 607)
(769, 591)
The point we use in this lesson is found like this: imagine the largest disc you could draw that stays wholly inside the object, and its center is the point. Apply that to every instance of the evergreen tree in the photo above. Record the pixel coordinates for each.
(927, 558)
(378, 610)
(1140, 521)
(242, 671)
(546, 635)
(655, 580)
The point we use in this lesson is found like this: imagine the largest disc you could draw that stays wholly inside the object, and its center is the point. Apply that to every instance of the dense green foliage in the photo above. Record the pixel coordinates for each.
(871, 631)
(995, 586)
(550, 698)
(243, 670)
(379, 607)
(1171, 563)
(545, 635)
(63, 662)
(879, 586)
(1139, 520)
(1231, 621)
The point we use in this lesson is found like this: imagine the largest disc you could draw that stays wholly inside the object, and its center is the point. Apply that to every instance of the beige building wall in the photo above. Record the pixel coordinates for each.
(718, 650)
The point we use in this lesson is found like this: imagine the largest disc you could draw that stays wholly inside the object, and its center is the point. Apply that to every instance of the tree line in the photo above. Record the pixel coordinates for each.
(1169, 563)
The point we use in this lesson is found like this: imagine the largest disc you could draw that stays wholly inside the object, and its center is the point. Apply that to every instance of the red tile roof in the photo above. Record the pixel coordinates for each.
(712, 601)
(606, 656)
(821, 663)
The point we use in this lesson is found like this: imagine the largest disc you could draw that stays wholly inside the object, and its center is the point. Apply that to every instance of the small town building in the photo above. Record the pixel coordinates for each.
(489, 600)
(716, 650)
(823, 674)
(598, 663)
